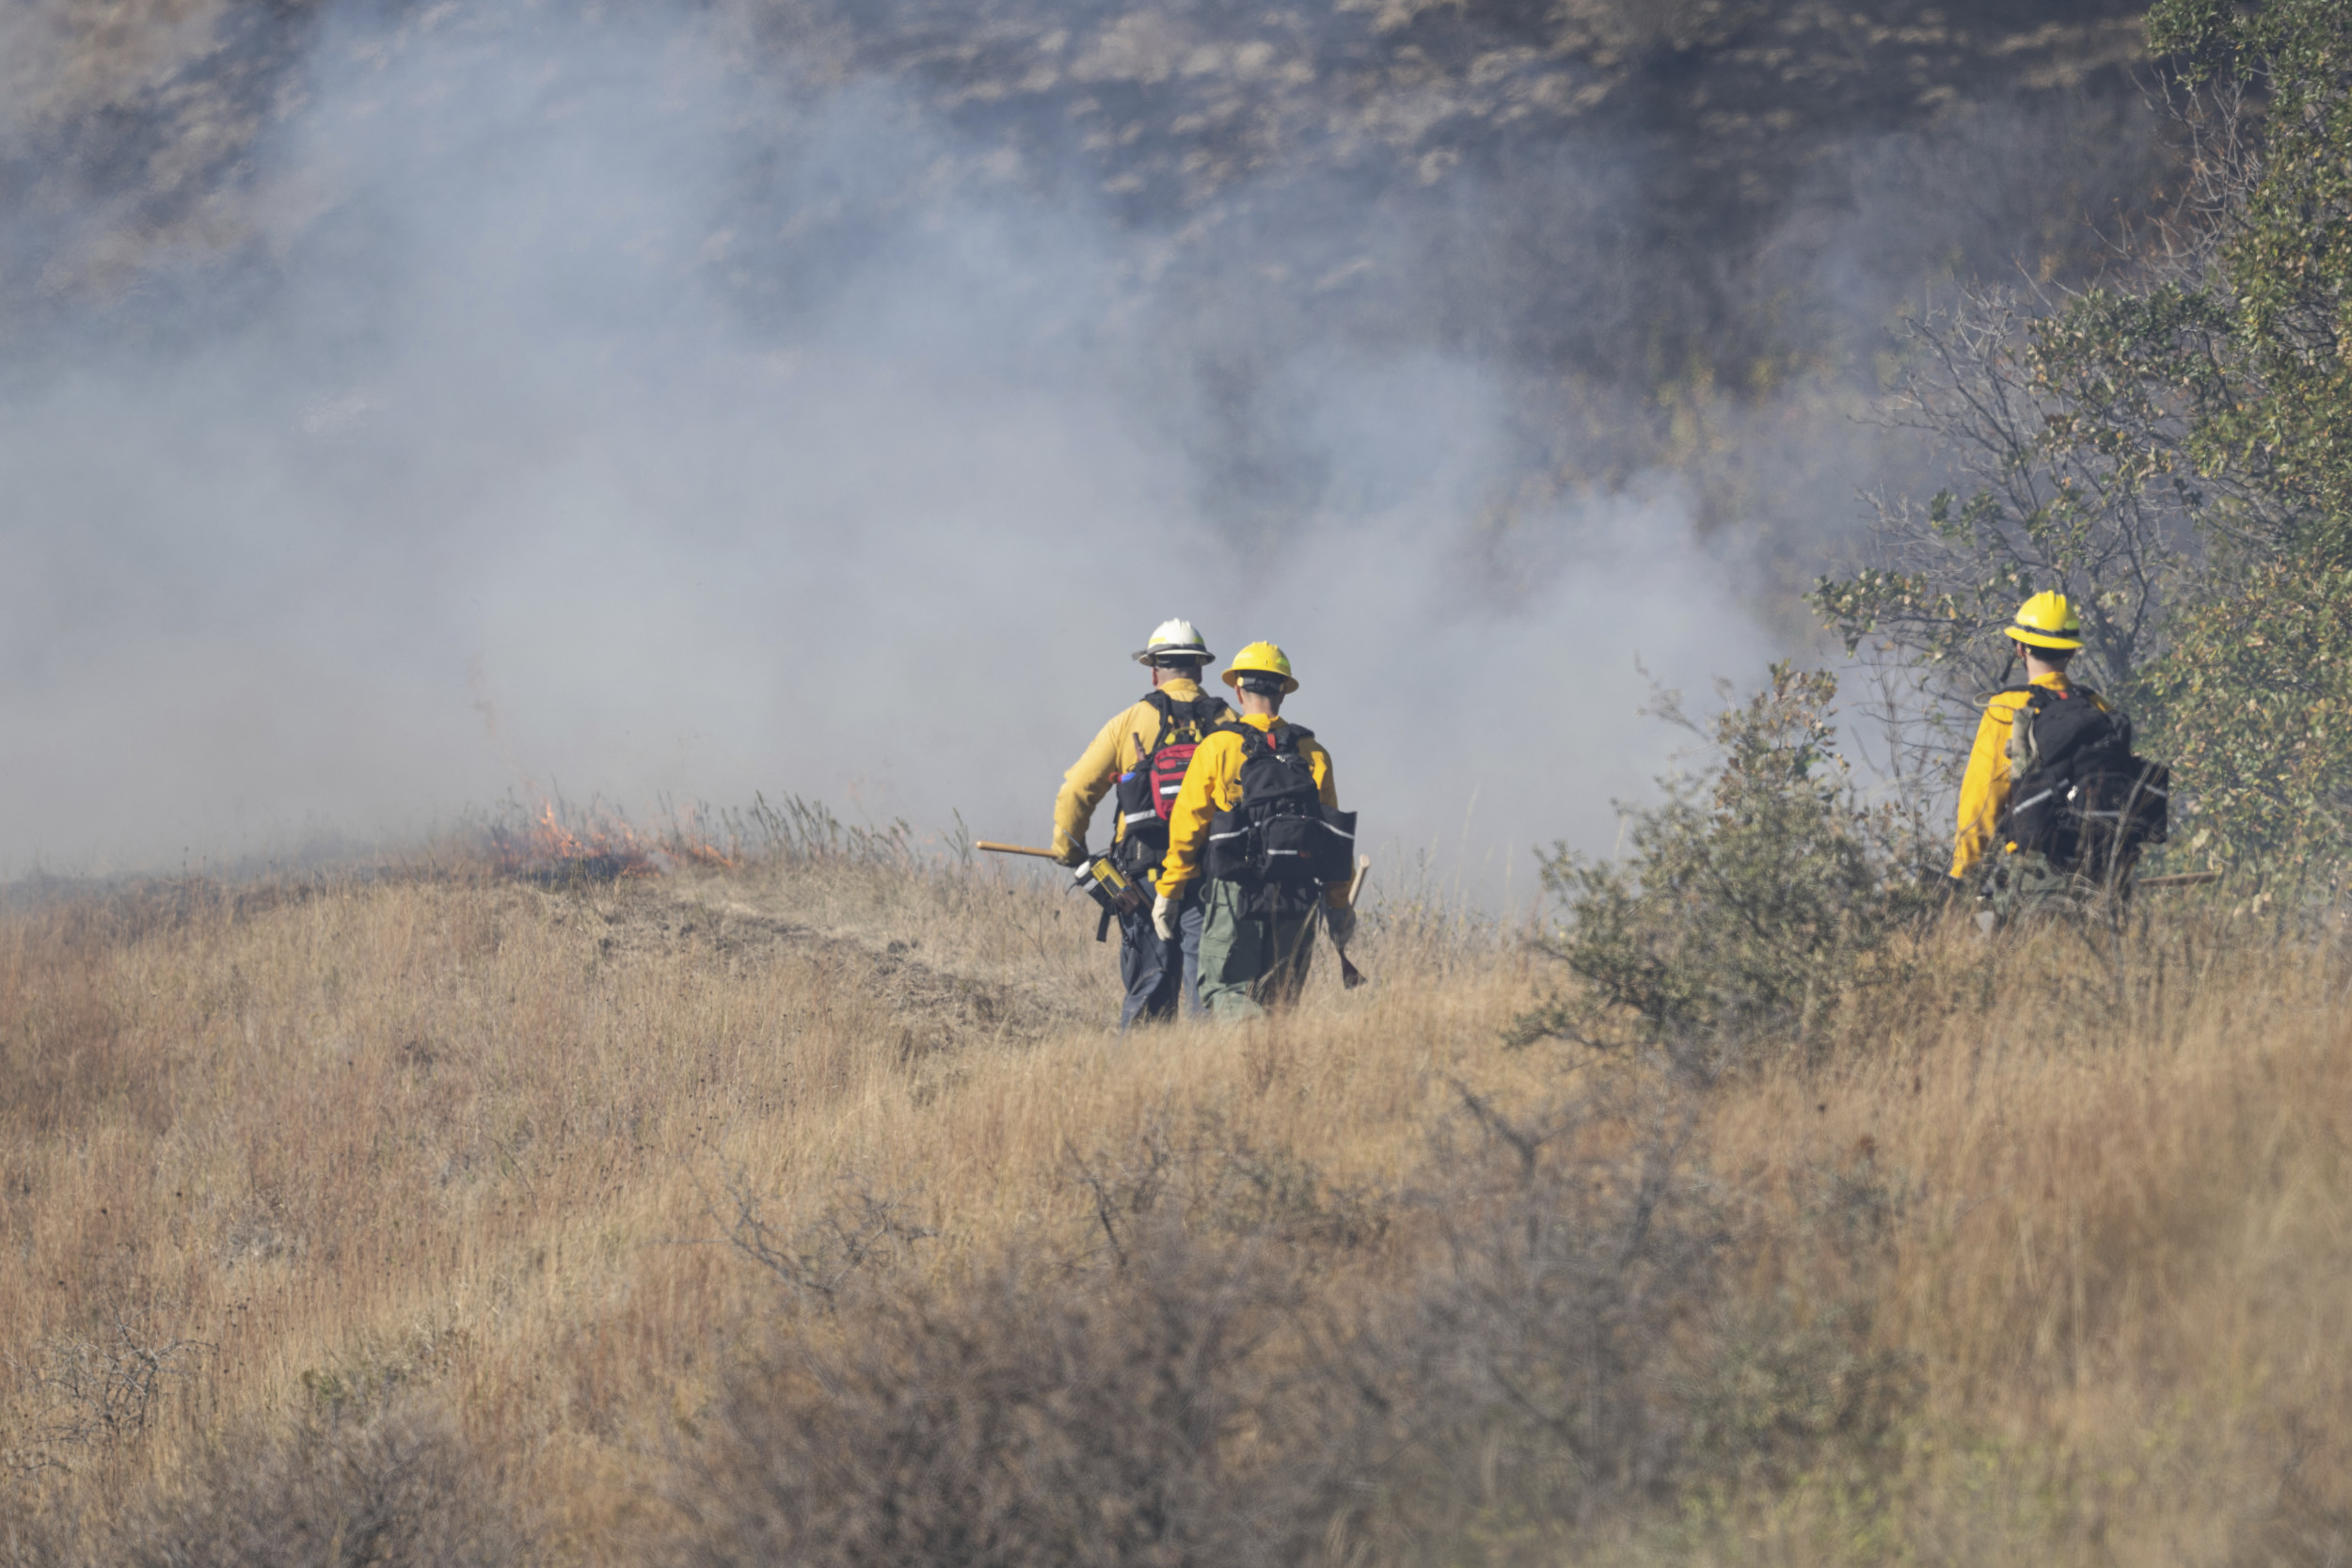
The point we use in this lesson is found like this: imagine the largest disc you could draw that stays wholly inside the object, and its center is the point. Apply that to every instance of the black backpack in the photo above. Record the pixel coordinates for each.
(1280, 837)
(2084, 801)
(1146, 793)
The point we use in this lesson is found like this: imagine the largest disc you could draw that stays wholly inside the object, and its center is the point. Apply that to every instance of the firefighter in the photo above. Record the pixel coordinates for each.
(1986, 853)
(1258, 933)
(1140, 756)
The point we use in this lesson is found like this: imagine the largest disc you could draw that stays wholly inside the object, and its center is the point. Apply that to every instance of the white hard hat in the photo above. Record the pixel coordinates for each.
(1175, 640)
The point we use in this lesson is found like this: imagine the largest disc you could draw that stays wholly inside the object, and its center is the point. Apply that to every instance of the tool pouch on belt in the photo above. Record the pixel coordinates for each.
(1142, 831)
(1110, 887)
(1284, 847)
(1230, 852)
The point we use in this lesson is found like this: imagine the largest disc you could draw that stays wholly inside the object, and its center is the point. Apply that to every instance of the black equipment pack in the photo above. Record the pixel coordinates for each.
(1281, 838)
(1147, 792)
(2082, 799)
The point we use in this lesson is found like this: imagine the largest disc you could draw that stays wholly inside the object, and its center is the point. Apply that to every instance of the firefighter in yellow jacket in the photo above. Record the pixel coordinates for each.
(1254, 948)
(2046, 634)
(1140, 756)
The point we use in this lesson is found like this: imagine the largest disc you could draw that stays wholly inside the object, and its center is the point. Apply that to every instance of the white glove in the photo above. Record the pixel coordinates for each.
(1341, 923)
(1164, 917)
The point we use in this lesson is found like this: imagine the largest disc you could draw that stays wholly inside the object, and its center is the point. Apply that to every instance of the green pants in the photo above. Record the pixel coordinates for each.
(2026, 886)
(1250, 963)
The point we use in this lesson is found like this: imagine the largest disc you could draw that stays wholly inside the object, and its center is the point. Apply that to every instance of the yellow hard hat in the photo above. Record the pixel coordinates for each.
(2047, 620)
(1261, 658)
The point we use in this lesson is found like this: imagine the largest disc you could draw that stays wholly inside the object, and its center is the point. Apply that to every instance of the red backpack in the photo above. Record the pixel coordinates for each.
(1147, 793)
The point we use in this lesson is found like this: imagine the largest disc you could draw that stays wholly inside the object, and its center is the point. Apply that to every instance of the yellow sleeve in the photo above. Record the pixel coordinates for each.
(1983, 789)
(1086, 784)
(1205, 790)
(1319, 764)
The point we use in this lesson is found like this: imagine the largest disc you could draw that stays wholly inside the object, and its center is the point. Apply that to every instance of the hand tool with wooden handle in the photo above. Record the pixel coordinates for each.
(1350, 977)
(1097, 877)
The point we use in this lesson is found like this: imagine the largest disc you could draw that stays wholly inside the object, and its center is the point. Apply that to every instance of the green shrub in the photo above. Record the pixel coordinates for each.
(2173, 449)
(1752, 897)
(2255, 706)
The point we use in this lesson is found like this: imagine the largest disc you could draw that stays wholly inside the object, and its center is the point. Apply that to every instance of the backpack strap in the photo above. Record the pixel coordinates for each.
(2039, 697)
(2023, 756)
(1204, 713)
(1165, 705)
(1251, 738)
(2025, 747)
(1287, 743)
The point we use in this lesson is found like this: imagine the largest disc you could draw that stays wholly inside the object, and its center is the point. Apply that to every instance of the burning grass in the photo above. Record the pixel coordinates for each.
(802, 1209)
(554, 843)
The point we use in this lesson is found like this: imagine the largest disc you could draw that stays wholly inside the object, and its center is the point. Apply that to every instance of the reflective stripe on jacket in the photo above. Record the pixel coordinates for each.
(1211, 785)
(1984, 789)
(1119, 746)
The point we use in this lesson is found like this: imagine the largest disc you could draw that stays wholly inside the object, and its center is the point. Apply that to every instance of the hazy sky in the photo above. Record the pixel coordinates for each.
(590, 413)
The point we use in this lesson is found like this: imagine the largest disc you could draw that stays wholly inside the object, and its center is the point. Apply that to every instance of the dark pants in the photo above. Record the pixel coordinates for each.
(1152, 982)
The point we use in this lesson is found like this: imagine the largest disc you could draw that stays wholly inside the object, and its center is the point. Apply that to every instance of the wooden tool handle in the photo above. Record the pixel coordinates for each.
(1013, 850)
(1350, 977)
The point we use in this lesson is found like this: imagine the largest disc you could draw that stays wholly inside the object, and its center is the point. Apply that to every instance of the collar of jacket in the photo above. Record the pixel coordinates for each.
(2055, 680)
(1261, 721)
(1179, 689)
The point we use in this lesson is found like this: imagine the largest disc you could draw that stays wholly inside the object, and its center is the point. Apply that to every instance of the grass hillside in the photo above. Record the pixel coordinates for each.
(1627, 192)
(807, 1213)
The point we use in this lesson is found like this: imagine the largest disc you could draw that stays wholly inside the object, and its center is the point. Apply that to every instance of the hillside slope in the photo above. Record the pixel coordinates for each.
(1734, 147)
(697, 1220)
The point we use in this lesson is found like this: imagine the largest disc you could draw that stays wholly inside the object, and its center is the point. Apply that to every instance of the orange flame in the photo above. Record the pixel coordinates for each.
(600, 842)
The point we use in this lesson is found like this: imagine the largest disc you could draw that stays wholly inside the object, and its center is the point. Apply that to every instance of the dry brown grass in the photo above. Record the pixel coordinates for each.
(465, 1149)
(479, 1136)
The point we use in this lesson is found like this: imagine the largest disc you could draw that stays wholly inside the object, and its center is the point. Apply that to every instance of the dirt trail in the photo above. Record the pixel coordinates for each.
(943, 1010)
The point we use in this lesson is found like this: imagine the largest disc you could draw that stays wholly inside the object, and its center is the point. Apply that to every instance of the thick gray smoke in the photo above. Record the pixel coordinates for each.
(589, 410)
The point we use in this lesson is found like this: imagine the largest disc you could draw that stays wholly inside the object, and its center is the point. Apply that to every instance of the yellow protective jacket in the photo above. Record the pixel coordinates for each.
(1984, 789)
(1120, 745)
(1211, 785)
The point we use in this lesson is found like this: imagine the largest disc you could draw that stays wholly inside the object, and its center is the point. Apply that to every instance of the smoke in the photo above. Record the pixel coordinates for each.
(576, 401)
